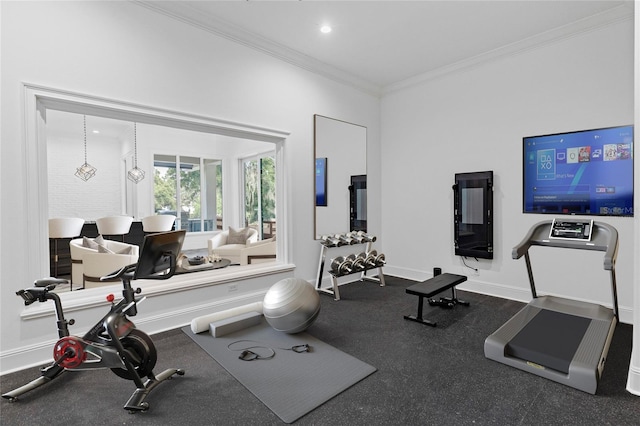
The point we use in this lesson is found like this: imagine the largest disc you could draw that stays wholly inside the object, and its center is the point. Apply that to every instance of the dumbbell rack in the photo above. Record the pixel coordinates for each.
(333, 290)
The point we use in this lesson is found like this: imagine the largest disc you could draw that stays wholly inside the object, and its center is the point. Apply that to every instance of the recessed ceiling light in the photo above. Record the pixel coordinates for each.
(96, 131)
(325, 29)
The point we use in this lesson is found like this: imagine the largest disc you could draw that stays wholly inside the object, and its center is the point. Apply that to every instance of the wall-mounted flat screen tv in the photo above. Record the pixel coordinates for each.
(589, 172)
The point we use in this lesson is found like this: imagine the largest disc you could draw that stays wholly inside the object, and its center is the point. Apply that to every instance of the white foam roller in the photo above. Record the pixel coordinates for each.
(235, 323)
(200, 324)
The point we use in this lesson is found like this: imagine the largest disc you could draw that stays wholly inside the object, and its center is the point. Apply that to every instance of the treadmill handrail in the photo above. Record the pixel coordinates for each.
(604, 238)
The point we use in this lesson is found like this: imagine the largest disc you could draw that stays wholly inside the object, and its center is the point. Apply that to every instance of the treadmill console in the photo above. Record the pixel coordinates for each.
(571, 229)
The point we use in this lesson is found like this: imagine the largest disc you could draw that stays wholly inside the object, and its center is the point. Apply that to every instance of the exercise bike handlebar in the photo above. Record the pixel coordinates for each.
(127, 273)
(130, 270)
(120, 272)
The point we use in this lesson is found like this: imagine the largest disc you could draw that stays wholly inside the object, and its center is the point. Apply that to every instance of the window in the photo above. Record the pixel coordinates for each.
(194, 195)
(259, 174)
(39, 101)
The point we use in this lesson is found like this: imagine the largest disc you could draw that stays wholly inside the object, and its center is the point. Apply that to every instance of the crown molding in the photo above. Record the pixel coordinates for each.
(591, 23)
(190, 15)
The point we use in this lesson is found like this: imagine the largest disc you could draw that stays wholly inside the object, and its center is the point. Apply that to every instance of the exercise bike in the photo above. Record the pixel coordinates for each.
(114, 342)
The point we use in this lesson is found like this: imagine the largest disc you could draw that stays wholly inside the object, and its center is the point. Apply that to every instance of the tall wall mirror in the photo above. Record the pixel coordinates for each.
(340, 159)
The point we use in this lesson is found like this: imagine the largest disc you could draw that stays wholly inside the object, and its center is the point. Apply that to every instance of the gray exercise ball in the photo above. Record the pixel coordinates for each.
(291, 305)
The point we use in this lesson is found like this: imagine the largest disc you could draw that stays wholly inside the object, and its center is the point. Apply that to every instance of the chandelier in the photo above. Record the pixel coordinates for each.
(86, 171)
(136, 174)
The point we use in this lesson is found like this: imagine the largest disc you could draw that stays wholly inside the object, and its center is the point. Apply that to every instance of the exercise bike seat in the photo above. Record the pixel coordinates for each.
(45, 282)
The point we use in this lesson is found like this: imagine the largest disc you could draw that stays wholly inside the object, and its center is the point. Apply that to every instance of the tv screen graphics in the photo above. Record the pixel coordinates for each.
(588, 172)
(321, 182)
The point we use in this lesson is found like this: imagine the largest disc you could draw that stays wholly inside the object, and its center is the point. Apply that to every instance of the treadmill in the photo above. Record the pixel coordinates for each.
(561, 339)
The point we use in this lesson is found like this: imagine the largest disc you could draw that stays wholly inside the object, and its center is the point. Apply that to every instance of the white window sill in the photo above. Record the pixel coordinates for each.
(89, 298)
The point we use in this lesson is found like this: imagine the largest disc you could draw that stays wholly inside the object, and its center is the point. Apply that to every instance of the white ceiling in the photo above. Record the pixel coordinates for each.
(69, 125)
(375, 45)
(378, 44)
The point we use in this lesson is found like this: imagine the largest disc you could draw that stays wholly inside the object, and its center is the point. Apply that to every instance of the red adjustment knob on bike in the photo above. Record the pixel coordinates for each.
(111, 298)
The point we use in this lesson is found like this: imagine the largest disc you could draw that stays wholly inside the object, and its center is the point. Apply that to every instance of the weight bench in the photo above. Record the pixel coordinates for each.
(430, 288)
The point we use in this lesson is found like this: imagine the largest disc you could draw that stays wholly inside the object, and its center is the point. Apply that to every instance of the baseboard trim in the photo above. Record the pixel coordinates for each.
(633, 382)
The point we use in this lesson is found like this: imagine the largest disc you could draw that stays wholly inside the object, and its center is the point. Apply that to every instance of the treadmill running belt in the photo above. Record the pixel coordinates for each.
(550, 339)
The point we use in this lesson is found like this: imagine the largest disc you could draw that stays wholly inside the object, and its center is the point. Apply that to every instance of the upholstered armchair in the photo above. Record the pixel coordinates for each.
(258, 252)
(109, 256)
(96, 265)
(229, 244)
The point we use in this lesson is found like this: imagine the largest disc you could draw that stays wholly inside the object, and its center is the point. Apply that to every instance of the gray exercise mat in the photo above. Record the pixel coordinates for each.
(290, 384)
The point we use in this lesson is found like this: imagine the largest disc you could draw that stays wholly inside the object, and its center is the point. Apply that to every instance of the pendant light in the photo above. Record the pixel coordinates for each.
(86, 171)
(135, 175)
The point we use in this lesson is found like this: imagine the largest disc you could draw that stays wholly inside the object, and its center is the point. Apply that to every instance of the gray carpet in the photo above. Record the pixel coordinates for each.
(291, 384)
(426, 376)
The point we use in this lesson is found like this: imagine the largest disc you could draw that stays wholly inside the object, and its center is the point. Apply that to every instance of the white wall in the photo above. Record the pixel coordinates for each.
(70, 196)
(474, 120)
(121, 51)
